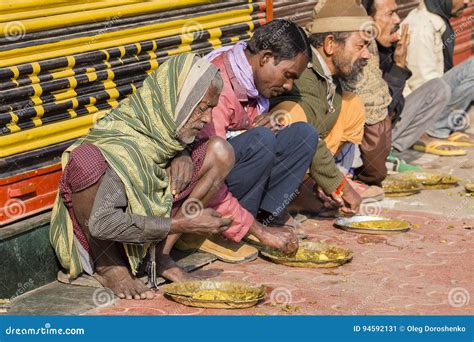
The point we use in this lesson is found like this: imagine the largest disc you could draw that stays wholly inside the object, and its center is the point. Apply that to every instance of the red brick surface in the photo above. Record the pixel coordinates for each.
(428, 270)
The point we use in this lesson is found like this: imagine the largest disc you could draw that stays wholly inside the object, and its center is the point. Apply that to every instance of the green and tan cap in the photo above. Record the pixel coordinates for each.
(339, 16)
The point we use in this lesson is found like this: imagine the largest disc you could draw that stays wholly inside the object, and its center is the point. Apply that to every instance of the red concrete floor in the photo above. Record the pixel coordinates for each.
(428, 271)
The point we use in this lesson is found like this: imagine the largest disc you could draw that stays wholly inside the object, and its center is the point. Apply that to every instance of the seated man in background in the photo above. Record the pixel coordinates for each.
(339, 53)
(392, 120)
(430, 55)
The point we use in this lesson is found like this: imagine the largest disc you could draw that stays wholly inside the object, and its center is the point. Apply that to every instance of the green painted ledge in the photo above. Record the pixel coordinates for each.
(27, 259)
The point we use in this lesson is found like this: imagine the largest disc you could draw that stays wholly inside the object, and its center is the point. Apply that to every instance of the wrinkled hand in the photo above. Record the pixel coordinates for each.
(349, 201)
(208, 222)
(181, 172)
(266, 120)
(292, 243)
(329, 201)
(401, 51)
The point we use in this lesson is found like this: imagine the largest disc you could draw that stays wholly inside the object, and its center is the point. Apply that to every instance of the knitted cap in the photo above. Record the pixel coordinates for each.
(340, 16)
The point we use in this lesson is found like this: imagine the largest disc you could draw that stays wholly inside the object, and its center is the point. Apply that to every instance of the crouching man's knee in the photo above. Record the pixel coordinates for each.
(220, 154)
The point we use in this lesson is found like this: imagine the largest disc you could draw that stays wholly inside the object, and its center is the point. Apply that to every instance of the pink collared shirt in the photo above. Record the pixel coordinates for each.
(234, 112)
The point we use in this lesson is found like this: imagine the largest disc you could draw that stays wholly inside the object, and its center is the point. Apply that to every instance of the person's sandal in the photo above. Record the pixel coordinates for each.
(456, 139)
(82, 280)
(433, 147)
(225, 250)
(396, 164)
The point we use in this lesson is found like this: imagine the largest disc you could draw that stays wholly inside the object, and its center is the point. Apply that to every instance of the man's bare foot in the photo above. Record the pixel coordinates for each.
(167, 268)
(280, 238)
(285, 219)
(119, 279)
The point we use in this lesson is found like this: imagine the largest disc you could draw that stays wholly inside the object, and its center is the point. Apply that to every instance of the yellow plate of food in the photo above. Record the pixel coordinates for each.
(311, 254)
(469, 187)
(394, 187)
(215, 294)
(430, 180)
(372, 224)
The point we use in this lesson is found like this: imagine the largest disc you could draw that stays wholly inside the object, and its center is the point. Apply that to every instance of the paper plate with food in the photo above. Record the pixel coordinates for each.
(430, 180)
(215, 294)
(372, 224)
(311, 254)
(394, 187)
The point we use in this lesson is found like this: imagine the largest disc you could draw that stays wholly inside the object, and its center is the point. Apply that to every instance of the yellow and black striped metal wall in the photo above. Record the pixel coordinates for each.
(63, 64)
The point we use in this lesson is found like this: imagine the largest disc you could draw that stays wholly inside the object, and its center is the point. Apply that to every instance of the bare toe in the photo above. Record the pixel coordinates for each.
(149, 295)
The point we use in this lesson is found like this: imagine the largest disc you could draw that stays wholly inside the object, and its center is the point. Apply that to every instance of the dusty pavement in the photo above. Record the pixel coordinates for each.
(425, 271)
(428, 270)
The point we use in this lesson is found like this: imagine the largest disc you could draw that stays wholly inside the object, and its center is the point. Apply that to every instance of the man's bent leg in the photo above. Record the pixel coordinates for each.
(374, 150)
(112, 269)
(454, 116)
(422, 108)
(254, 158)
(296, 145)
(217, 164)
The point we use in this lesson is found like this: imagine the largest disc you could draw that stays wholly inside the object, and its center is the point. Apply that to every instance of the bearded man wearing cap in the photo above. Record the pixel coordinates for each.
(339, 44)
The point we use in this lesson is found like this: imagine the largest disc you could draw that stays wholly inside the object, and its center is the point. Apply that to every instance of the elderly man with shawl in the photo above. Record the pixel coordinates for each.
(118, 197)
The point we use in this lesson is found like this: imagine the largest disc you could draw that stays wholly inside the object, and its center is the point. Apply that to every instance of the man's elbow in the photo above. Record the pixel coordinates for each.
(100, 228)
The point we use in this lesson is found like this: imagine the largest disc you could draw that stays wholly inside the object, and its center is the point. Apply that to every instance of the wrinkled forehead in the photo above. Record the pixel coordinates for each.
(360, 37)
(211, 98)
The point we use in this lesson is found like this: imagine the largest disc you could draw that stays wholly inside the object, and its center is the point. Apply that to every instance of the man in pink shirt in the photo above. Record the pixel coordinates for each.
(271, 160)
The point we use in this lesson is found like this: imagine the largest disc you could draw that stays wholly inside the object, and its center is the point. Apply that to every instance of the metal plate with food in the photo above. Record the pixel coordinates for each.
(430, 180)
(394, 187)
(215, 294)
(311, 254)
(372, 224)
